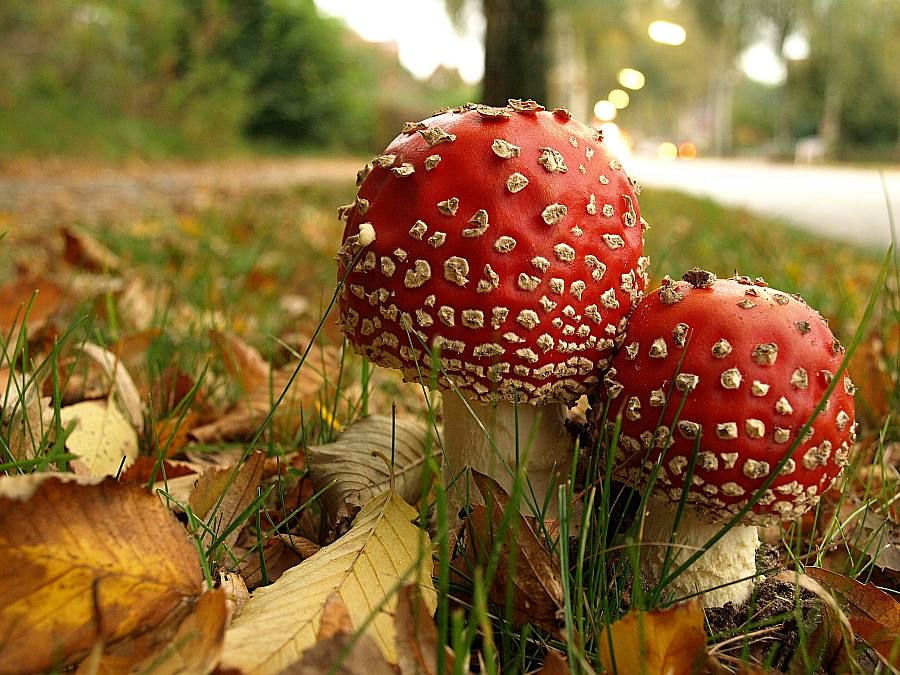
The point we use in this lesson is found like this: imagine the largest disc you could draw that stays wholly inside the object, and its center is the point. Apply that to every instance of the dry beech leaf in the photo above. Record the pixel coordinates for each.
(417, 635)
(120, 382)
(534, 572)
(359, 475)
(85, 563)
(34, 301)
(25, 423)
(281, 552)
(828, 642)
(239, 486)
(335, 618)
(872, 614)
(659, 642)
(337, 650)
(554, 664)
(84, 251)
(244, 363)
(191, 646)
(244, 419)
(103, 439)
(381, 550)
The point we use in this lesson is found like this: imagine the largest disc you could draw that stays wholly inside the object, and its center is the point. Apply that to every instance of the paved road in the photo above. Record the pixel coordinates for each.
(839, 202)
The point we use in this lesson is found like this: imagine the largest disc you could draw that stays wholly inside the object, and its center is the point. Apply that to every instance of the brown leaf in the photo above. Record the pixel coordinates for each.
(85, 563)
(335, 618)
(872, 614)
(239, 484)
(244, 363)
(300, 393)
(143, 468)
(417, 636)
(40, 298)
(172, 434)
(358, 475)
(342, 654)
(554, 664)
(85, 252)
(659, 642)
(525, 562)
(829, 641)
(281, 553)
(120, 383)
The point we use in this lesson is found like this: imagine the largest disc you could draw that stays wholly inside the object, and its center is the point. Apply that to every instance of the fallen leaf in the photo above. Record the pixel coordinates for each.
(871, 613)
(23, 412)
(194, 649)
(300, 393)
(526, 564)
(365, 566)
(335, 618)
(554, 664)
(85, 563)
(33, 301)
(359, 475)
(172, 433)
(232, 489)
(85, 252)
(120, 383)
(417, 635)
(281, 553)
(831, 641)
(244, 363)
(103, 439)
(236, 593)
(338, 650)
(659, 642)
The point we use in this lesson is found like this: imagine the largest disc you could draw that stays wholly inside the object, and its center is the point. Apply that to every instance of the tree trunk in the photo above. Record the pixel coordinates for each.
(515, 59)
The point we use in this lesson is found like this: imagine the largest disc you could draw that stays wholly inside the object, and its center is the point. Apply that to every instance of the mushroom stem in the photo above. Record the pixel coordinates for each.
(541, 437)
(731, 560)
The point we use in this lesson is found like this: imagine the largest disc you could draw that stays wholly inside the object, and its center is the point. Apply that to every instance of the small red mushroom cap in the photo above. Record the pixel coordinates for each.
(751, 364)
(507, 238)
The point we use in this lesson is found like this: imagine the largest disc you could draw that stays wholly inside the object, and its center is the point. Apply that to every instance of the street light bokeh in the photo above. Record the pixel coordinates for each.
(618, 98)
(605, 111)
(667, 33)
(631, 78)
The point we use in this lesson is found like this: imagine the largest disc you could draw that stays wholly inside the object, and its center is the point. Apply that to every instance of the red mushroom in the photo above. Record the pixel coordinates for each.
(750, 364)
(508, 240)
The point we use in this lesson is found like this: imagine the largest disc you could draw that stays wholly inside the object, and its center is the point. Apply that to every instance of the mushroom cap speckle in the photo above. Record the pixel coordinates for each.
(507, 239)
(751, 363)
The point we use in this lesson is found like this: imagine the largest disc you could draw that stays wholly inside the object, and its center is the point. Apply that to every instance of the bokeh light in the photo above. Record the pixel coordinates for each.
(619, 98)
(667, 33)
(667, 152)
(687, 150)
(631, 78)
(604, 111)
(616, 140)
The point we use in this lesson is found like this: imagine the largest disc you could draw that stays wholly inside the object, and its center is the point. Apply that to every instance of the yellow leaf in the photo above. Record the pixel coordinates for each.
(365, 567)
(85, 563)
(659, 642)
(101, 439)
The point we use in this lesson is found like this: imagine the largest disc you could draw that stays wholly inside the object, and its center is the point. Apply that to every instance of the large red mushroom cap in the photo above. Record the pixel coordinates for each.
(751, 363)
(507, 238)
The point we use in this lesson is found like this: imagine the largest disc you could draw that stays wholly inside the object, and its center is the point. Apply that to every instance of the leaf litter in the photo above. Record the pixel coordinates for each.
(182, 415)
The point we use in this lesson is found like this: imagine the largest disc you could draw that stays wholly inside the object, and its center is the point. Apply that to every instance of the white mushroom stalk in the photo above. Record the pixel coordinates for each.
(495, 438)
(723, 574)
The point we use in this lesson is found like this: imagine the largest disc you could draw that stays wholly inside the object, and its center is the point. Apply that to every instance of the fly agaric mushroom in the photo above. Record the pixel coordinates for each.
(509, 241)
(750, 364)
